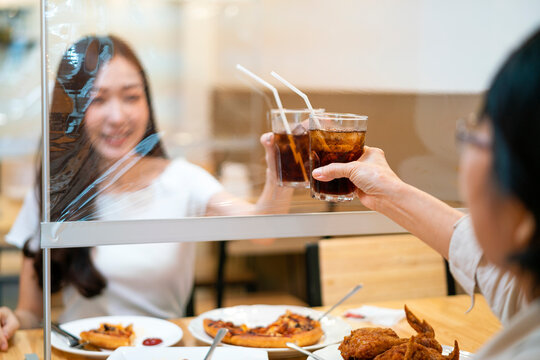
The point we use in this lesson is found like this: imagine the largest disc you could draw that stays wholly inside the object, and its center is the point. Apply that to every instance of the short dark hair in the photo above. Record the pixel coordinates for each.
(512, 104)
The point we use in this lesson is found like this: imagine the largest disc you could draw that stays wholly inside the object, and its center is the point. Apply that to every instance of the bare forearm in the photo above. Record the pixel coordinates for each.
(421, 214)
(274, 199)
(27, 319)
(30, 307)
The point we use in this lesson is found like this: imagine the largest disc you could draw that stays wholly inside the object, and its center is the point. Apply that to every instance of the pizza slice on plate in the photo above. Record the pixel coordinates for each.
(109, 336)
(289, 327)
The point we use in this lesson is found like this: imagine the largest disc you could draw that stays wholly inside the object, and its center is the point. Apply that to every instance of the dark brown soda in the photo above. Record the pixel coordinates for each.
(330, 146)
(288, 168)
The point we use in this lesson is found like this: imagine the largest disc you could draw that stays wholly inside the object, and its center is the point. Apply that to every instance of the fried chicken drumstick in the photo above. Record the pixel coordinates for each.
(385, 344)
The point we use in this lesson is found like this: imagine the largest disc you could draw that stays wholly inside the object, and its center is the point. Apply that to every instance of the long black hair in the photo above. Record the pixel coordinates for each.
(513, 106)
(74, 164)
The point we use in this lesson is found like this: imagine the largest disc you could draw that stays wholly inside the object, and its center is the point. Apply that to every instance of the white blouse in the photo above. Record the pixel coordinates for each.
(142, 279)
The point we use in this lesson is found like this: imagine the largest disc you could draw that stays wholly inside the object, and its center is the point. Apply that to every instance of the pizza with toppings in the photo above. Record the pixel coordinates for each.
(289, 327)
(109, 336)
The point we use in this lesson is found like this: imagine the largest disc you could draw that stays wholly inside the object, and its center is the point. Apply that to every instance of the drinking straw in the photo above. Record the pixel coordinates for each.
(274, 91)
(301, 94)
(308, 104)
(296, 154)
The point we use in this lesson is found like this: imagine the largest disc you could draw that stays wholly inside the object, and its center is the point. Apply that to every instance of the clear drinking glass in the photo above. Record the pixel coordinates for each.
(335, 137)
(292, 150)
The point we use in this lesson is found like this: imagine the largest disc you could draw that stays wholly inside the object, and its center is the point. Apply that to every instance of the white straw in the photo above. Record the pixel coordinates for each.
(274, 91)
(301, 94)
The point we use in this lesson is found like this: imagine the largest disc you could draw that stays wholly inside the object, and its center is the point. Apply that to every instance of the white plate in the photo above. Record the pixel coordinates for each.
(189, 353)
(334, 328)
(144, 327)
(332, 353)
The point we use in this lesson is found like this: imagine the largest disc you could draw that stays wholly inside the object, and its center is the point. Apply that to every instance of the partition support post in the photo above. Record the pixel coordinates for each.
(45, 182)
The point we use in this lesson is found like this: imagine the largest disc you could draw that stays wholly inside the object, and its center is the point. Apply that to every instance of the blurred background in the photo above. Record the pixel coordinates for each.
(413, 67)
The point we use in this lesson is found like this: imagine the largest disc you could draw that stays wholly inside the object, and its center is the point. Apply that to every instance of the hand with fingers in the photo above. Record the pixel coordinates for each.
(8, 325)
(273, 199)
(371, 174)
(275, 196)
(267, 141)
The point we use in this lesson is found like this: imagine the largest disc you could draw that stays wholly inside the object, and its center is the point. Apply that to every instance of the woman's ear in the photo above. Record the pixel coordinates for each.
(525, 229)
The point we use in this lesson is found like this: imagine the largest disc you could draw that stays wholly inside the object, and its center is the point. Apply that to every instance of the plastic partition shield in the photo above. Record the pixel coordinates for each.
(149, 122)
(132, 139)
(151, 135)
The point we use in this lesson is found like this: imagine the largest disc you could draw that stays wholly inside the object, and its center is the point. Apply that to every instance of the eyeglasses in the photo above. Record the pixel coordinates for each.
(467, 132)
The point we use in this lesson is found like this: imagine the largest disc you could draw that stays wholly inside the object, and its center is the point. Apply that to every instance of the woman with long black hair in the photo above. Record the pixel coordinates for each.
(107, 162)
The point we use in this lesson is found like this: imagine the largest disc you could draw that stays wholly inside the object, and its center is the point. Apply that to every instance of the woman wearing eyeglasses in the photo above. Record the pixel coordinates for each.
(497, 246)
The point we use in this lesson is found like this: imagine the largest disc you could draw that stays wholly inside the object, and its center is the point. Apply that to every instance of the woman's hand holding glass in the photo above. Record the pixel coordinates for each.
(274, 198)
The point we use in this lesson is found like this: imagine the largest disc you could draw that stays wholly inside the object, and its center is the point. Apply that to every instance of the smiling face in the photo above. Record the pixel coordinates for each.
(118, 116)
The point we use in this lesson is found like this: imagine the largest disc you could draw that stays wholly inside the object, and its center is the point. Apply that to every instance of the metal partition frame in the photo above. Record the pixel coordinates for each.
(85, 233)
(45, 181)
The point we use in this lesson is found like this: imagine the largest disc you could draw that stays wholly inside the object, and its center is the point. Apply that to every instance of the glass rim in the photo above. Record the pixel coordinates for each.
(297, 111)
(340, 116)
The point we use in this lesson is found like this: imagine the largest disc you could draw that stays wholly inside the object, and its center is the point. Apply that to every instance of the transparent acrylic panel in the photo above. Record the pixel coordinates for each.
(181, 139)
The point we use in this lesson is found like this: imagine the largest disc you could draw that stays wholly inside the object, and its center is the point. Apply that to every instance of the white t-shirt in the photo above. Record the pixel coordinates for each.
(146, 279)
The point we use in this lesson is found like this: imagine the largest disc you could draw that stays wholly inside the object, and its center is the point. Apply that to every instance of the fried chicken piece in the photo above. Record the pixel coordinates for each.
(366, 343)
(429, 342)
(412, 350)
(426, 334)
(384, 344)
(454, 355)
(421, 327)
(394, 353)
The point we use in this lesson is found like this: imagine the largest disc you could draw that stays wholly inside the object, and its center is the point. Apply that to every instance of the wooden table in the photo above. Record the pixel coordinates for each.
(445, 314)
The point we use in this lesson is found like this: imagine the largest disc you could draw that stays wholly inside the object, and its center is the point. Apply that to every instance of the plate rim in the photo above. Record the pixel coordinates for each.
(202, 349)
(113, 318)
(205, 337)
